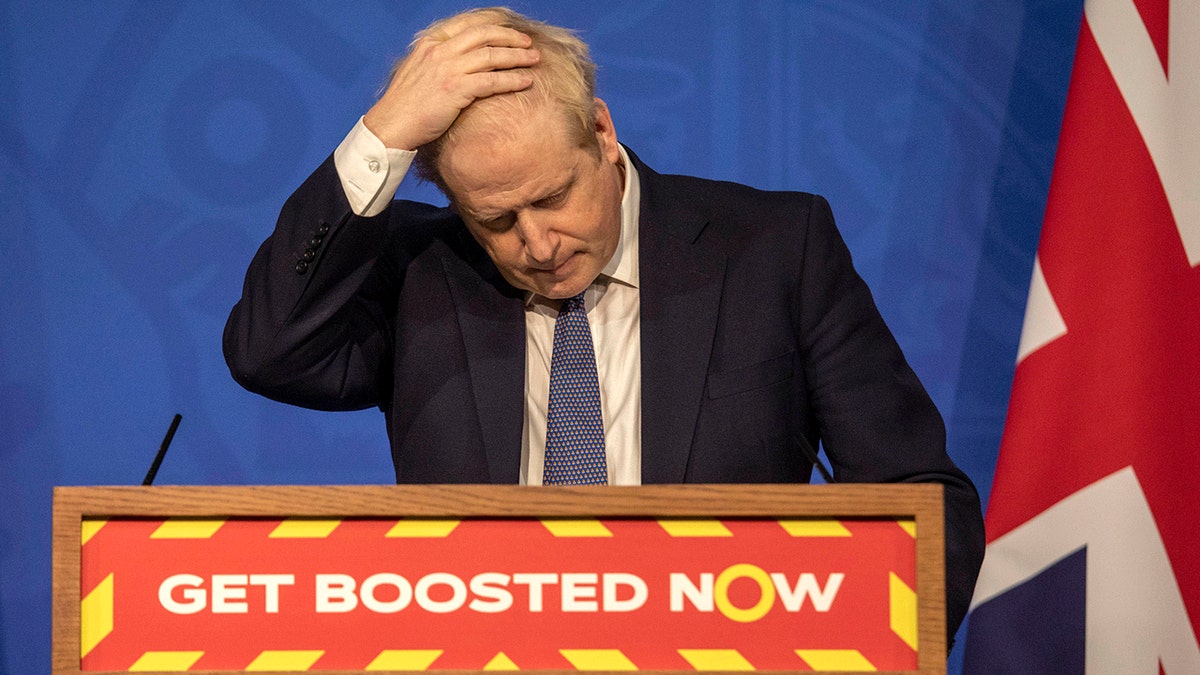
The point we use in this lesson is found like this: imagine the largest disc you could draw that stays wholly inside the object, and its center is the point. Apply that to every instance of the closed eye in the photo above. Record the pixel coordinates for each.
(497, 224)
(558, 197)
(552, 201)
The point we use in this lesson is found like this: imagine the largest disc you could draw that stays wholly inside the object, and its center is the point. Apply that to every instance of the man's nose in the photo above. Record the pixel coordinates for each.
(541, 242)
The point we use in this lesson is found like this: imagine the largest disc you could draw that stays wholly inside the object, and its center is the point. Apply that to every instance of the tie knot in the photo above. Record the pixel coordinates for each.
(573, 304)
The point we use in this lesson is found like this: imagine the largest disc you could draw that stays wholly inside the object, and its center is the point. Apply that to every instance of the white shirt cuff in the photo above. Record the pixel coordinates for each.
(370, 172)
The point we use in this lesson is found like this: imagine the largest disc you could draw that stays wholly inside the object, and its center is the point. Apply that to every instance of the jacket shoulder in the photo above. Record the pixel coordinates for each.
(730, 199)
(692, 204)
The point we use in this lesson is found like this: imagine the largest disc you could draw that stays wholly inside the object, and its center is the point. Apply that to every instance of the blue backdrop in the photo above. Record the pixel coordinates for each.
(146, 147)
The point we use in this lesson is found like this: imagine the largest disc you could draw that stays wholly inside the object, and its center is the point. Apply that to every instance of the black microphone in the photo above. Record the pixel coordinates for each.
(811, 456)
(162, 450)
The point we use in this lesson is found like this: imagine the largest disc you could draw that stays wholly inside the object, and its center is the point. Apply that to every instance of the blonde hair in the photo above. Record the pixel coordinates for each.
(564, 79)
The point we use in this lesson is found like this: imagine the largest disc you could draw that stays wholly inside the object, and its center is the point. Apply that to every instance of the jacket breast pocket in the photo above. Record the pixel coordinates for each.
(753, 376)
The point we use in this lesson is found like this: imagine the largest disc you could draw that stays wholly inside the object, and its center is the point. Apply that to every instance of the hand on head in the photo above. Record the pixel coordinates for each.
(444, 72)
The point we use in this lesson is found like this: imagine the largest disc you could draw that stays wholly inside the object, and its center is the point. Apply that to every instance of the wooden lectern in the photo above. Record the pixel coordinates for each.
(350, 579)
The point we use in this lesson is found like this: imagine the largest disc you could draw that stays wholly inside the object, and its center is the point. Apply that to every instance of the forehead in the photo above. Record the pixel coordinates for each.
(510, 162)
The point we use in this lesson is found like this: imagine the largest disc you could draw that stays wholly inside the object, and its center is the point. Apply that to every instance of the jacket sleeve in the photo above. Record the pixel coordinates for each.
(877, 422)
(312, 327)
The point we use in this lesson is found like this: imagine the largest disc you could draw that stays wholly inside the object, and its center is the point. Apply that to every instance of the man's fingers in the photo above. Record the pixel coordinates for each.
(498, 58)
(485, 35)
(489, 83)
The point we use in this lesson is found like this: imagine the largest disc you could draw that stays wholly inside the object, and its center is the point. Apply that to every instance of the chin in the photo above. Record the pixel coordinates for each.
(561, 290)
(557, 288)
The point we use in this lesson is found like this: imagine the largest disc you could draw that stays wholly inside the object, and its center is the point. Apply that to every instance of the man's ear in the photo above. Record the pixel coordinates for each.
(606, 133)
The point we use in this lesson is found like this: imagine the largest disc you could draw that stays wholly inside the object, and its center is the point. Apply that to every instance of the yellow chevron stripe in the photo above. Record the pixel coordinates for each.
(577, 527)
(422, 528)
(716, 659)
(501, 662)
(697, 527)
(835, 659)
(290, 659)
(908, 525)
(89, 528)
(815, 528)
(186, 528)
(96, 616)
(171, 662)
(304, 528)
(903, 609)
(597, 659)
(404, 659)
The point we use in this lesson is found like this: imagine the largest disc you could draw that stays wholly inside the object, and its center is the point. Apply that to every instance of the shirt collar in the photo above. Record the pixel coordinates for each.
(623, 266)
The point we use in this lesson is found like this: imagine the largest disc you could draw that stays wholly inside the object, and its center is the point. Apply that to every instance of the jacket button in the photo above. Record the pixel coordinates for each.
(309, 254)
(323, 229)
(315, 241)
(301, 267)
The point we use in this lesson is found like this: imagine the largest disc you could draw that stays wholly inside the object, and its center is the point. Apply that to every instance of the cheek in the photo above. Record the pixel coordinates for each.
(592, 223)
(608, 225)
(605, 216)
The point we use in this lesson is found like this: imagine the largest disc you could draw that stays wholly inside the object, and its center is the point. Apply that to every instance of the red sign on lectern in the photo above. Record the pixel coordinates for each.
(417, 594)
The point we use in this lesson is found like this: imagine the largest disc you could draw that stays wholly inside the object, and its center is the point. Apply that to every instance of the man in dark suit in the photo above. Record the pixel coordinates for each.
(729, 329)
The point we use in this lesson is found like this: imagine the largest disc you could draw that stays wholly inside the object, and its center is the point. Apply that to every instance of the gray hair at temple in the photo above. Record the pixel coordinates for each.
(564, 77)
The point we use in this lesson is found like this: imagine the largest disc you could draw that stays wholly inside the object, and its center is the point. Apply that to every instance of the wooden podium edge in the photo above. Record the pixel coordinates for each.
(922, 502)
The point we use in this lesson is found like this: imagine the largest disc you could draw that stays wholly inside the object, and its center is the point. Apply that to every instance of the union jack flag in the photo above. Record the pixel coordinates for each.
(1093, 558)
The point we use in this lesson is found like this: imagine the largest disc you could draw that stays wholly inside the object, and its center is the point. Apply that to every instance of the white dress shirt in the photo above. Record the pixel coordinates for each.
(371, 173)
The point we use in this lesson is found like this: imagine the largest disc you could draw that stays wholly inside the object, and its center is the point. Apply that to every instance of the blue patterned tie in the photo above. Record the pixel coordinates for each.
(574, 424)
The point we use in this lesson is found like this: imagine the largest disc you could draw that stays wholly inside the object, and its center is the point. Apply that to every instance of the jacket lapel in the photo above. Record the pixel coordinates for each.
(681, 282)
(491, 320)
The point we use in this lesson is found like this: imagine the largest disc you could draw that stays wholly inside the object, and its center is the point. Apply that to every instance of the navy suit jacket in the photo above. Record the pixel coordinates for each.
(757, 337)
